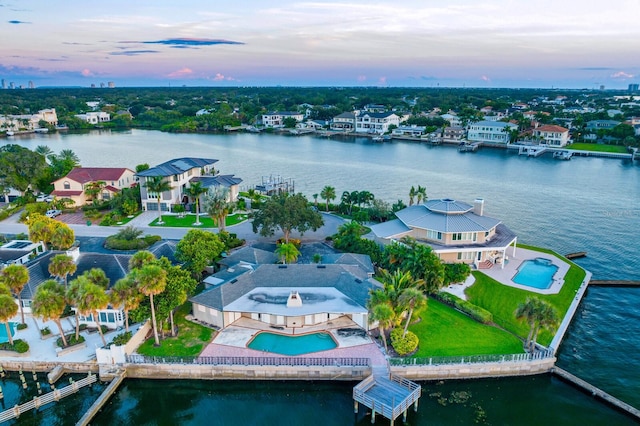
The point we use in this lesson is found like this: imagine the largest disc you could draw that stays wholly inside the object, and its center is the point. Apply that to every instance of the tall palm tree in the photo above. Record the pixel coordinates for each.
(94, 298)
(384, 315)
(411, 298)
(157, 185)
(74, 297)
(315, 199)
(412, 194)
(125, 293)
(538, 314)
(8, 309)
(328, 193)
(195, 190)
(217, 205)
(44, 150)
(16, 277)
(287, 252)
(70, 156)
(49, 303)
(97, 276)
(62, 237)
(151, 280)
(61, 266)
(421, 194)
(393, 285)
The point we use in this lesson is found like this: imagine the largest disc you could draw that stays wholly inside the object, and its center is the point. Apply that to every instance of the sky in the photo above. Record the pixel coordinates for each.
(422, 43)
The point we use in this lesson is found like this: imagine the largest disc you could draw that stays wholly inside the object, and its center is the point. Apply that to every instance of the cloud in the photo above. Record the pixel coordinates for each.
(221, 77)
(621, 74)
(18, 22)
(485, 78)
(595, 69)
(382, 81)
(180, 73)
(133, 52)
(191, 42)
(86, 72)
(362, 78)
(75, 43)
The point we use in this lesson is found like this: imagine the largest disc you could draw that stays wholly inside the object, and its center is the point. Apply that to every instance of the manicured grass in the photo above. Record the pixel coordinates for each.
(173, 221)
(190, 341)
(128, 219)
(444, 331)
(502, 300)
(597, 147)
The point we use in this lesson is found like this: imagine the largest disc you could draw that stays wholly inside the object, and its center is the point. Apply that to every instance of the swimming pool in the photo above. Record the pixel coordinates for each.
(537, 273)
(284, 344)
(3, 331)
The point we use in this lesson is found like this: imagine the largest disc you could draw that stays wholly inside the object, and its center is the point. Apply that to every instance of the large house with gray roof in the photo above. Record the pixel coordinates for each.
(180, 173)
(295, 295)
(455, 230)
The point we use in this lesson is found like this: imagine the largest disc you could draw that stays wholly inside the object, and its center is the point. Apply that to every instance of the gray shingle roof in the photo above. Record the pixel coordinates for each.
(419, 216)
(391, 228)
(225, 181)
(252, 255)
(177, 166)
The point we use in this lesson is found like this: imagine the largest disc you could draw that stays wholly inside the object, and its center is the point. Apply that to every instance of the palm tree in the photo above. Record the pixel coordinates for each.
(151, 280)
(141, 258)
(44, 150)
(62, 237)
(195, 190)
(538, 314)
(125, 293)
(328, 193)
(70, 156)
(97, 276)
(421, 194)
(156, 185)
(62, 266)
(393, 286)
(412, 299)
(287, 253)
(412, 194)
(94, 298)
(217, 205)
(49, 303)
(94, 189)
(8, 309)
(16, 277)
(74, 296)
(315, 199)
(384, 315)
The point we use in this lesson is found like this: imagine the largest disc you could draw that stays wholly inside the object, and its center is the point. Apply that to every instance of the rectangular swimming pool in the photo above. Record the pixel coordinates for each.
(285, 344)
(536, 273)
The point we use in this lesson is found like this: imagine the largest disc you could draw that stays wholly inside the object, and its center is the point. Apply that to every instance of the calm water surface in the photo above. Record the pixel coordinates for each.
(588, 204)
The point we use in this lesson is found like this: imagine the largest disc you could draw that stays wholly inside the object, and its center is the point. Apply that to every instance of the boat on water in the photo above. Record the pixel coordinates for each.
(377, 139)
(41, 130)
(562, 155)
(10, 133)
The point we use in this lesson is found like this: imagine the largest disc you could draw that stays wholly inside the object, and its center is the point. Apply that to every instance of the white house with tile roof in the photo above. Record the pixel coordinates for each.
(455, 230)
(552, 135)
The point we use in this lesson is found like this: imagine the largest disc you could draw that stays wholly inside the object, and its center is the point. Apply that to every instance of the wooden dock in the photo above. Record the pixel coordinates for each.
(104, 397)
(588, 387)
(389, 396)
(615, 283)
(469, 147)
(575, 255)
(53, 396)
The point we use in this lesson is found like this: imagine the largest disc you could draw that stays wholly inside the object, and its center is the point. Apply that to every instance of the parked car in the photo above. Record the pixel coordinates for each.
(42, 198)
(53, 213)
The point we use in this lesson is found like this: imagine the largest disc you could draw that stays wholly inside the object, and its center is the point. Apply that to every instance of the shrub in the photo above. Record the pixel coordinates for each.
(45, 331)
(230, 240)
(296, 242)
(475, 312)
(122, 338)
(151, 239)
(22, 326)
(456, 272)
(406, 345)
(104, 328)
(19, 346)
(71, 340)
(82, 327)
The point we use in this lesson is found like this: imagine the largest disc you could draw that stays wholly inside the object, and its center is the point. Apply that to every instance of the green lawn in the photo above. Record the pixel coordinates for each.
(502, 300)
(190, 341)
(173, 221)
(597, 147)
(444, 331)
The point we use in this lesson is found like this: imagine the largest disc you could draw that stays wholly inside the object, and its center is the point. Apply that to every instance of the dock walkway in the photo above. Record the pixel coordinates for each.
(387, 395)
(104, 397)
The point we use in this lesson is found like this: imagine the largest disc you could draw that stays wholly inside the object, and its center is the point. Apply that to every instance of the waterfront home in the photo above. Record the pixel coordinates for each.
(95, 117)
(454, 134)
(453, 119)
(376, 122)
(552, 135)
(275, 120)
(455, 230)
(28, 122)
(490, 132)
(180, 172)
(105, 181)
(294, 295)
(345, 122)
(412, 131)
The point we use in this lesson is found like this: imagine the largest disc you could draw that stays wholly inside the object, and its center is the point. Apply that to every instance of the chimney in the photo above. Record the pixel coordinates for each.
(478, 206)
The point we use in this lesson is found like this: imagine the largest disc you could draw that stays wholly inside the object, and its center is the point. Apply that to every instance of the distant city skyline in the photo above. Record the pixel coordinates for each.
(461, 43)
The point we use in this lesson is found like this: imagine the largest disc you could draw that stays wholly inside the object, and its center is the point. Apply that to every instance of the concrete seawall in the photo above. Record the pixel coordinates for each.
(474, 371)
(46, 366)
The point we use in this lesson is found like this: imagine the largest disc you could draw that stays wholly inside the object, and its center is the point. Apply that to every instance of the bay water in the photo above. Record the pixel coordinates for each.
(586, 204)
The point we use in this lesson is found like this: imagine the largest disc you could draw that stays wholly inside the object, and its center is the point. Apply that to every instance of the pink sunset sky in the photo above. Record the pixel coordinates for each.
(493, 43)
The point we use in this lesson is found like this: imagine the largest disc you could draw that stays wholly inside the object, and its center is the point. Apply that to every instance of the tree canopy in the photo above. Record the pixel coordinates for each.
(198, 249)
(287, 213)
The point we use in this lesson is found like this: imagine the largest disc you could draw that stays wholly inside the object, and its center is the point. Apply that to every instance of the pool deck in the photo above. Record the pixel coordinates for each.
(505, 276)
(232, 341)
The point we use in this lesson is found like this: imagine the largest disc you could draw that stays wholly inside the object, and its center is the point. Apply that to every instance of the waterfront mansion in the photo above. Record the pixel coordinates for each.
(456, 231)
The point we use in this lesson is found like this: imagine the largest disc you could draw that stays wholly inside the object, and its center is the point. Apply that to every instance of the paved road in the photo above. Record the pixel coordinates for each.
(244, 230)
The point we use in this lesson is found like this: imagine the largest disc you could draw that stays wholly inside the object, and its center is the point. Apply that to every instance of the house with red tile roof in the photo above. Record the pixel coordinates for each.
(107, 181)
(552, 135)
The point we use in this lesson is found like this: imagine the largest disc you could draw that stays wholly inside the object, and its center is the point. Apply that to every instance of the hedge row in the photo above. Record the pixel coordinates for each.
(137, 244)
(475, 312)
